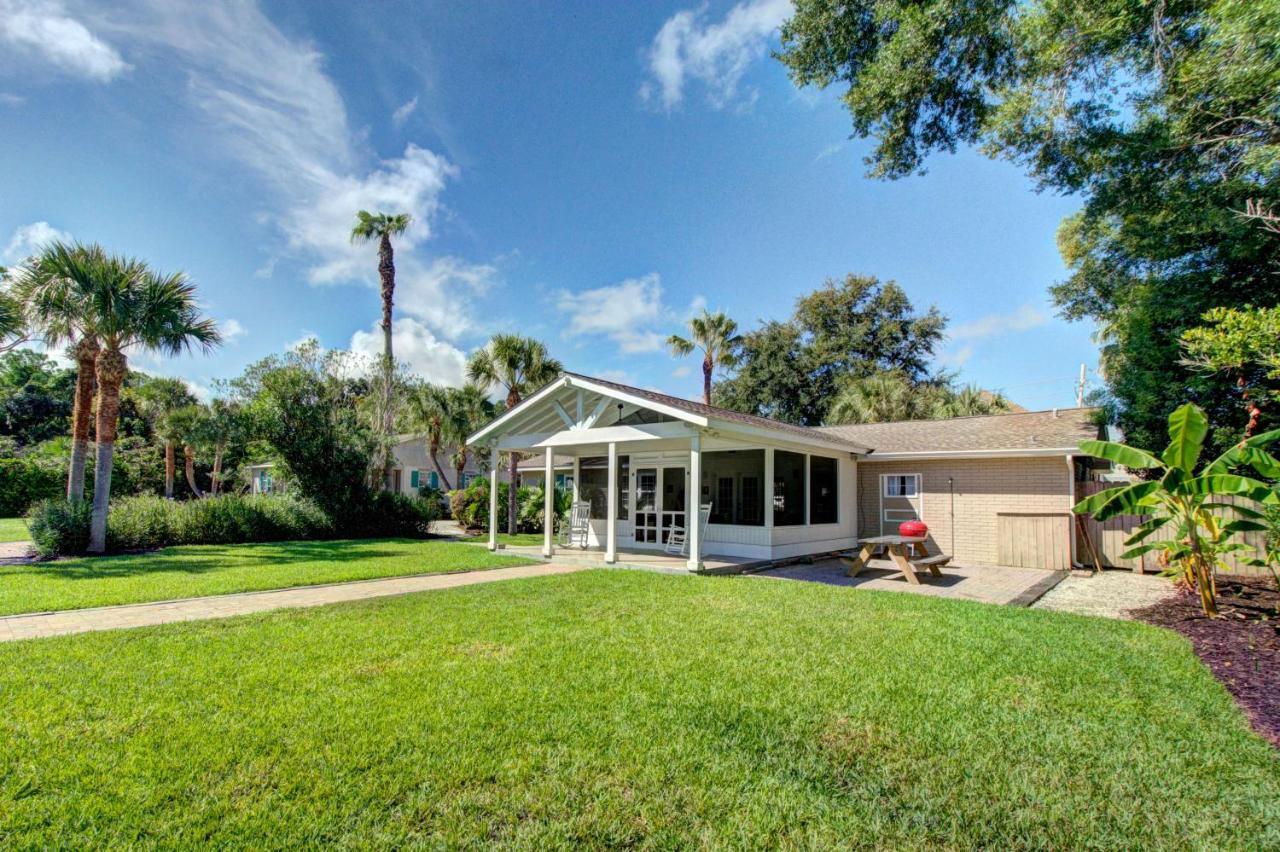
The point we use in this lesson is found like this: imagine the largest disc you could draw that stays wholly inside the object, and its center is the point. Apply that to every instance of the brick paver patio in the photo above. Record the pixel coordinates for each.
(225, 606)
(986, 583)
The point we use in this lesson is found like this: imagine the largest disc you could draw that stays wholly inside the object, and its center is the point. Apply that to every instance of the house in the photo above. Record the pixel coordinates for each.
(994, 490)
(413, 468)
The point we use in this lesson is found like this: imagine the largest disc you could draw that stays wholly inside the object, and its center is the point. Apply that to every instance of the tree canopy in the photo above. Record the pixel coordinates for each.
(853, 328)
(1161, 117)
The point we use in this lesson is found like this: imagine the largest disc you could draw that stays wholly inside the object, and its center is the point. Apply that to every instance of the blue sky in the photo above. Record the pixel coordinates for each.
(586, 178)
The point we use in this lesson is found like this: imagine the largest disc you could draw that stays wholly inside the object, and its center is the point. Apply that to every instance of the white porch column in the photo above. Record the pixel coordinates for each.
(548, 501)
(577, 475)
(768, 488)
(611, 523)
(693, 504)
(493, 499)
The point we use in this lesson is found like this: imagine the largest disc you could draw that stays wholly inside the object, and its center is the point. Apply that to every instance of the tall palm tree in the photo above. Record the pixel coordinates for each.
(429, 411)
(127, 305)
(717, 337)
(519, 364)
(382, 227)
(51, 306)
(189, 426)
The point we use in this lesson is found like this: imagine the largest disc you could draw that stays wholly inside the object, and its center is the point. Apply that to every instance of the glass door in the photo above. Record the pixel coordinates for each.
(673, 499)
(646, 515)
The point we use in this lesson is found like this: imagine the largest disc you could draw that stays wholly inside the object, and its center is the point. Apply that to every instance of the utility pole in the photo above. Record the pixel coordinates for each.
(1080, 389)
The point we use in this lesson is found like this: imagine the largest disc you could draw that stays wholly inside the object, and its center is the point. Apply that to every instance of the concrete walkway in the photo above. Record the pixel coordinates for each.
(225, 606)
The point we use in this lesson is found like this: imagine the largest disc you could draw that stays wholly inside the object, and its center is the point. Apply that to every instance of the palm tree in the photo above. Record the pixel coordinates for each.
(468, 411)
(970, 401)
(13, 321)
(188, 425)
(717, 336)
(50, 304)
(224, 426)
(126, 304)
(429, 410)
(519, 364)
(879, 398)
(157, 400)
(382, 227)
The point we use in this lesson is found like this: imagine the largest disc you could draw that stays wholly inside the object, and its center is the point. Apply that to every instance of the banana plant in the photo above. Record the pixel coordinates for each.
(1197, 513)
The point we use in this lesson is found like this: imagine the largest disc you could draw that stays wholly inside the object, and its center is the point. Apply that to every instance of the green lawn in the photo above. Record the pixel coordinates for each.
(181, 572)
(615, 708)
(13, 529)
(518, 539)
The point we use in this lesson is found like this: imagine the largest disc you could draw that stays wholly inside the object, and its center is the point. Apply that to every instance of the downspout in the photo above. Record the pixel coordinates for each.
(951, 519)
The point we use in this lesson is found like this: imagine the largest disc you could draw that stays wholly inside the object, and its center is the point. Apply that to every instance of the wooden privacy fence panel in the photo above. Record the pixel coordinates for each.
(1034, 540)
(1109, 537)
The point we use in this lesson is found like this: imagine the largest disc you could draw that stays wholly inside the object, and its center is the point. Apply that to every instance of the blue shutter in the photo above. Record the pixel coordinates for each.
(434, 479)
(413, 479)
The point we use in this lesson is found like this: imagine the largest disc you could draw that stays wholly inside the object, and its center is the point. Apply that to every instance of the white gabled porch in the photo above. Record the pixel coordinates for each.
(645, 462)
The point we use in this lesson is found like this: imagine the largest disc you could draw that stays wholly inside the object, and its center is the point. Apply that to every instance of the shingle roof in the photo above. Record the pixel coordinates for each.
(1062, 428)
(703, 410)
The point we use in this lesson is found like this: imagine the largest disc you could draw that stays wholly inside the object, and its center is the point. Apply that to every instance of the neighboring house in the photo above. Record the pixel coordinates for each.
(994, 490)
(263, 478)
(413, 469)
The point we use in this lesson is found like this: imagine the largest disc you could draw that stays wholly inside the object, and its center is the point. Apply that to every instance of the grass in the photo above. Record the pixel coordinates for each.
(194, 570)
(13, 529)
(614, 708)
(510, 539)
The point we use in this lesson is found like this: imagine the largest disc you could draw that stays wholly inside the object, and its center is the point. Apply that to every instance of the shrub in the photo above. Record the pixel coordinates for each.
(386, 514)
(59, 527)
(27, 480)
(470, 505)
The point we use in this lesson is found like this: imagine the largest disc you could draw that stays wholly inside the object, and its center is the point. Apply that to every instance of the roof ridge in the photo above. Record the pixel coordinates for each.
(961, 417)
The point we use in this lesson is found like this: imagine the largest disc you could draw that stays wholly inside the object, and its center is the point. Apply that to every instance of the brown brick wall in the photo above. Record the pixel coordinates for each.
(982, 490)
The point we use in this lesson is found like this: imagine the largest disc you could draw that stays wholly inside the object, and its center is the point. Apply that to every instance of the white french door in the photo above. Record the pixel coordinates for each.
(659, 502)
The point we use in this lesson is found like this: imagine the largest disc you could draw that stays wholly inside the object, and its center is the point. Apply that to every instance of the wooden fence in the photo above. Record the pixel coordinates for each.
(1108, 538)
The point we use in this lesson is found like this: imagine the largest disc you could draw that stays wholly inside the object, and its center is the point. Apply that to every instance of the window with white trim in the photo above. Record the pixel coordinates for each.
(900, 486)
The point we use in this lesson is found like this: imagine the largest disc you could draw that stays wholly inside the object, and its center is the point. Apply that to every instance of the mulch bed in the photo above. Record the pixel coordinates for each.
(1242, 647)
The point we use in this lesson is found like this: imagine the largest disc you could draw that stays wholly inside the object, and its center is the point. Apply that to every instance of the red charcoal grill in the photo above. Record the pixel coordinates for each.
(912, 529)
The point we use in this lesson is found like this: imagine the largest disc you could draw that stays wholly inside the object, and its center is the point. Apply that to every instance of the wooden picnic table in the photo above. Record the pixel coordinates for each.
(900, 549)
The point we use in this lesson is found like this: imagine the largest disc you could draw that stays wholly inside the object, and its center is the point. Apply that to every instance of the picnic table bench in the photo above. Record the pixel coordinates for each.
(901, 550)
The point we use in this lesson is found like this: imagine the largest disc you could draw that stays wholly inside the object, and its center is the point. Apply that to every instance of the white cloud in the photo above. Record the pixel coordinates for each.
(829, 151)
(625, 313)
(267, 101)
(402, 113)
(232, 330)
(681, 372)
(954, 358)
(11, 100)
(714, 54)
(27, 240)
(43, 28)
(1024, 318)
(416, 345)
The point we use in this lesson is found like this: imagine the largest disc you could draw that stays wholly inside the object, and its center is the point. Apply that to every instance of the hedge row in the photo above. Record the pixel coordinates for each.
(59, 528)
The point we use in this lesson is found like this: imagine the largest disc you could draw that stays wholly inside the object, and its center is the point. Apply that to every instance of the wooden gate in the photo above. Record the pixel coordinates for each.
(1034, 540)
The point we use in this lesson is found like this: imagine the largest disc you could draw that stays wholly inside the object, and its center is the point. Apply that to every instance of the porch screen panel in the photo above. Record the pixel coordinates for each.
(594, 484)
(733, 483)
(788, 489)
(824, 490)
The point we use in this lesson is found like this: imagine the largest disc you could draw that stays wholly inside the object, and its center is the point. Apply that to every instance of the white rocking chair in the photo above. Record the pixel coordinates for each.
(678, 538)
(575, 532)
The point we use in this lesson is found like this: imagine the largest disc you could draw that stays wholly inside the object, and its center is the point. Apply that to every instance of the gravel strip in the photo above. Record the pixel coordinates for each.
(1111, 594)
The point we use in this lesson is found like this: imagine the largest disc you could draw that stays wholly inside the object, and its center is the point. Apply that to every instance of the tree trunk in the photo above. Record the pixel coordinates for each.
(387, 273)
(86, 355)
(459, 468)
(216, 484)
(434, 450)
(189, 465)
(707, 367)
(112, 367)
(170, 468)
